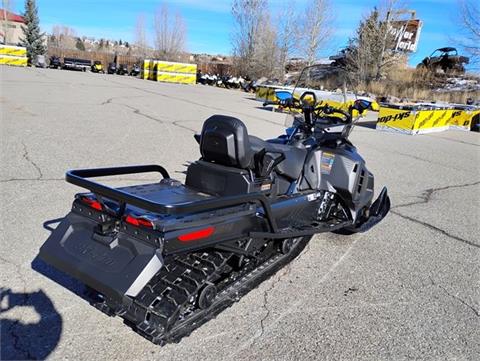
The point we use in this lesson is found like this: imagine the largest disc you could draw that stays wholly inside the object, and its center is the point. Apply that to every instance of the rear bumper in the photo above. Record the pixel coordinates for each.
(116, 267)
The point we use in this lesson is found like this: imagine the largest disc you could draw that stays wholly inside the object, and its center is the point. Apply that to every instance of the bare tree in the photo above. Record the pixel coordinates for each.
(140, 36)
(248, 16)
(266, 51)
(287, 30)
(316, 28)
(470, 24)
(63, 37)
(170, 34)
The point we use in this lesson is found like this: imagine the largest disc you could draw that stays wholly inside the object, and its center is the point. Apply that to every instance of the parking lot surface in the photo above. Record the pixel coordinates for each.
(407, 289)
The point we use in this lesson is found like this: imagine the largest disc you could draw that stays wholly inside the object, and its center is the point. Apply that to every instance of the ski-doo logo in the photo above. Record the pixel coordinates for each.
(91, 253)
(398, 116)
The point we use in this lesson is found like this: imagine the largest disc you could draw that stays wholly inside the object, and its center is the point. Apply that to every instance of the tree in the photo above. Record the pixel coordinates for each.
(367, 56)
(170, 34)
(140, 37)
(248, 16)
(80, 45)
(266, 51)
(63, 37)
(287, 35)
(33, 38)
(315, 29)
(470, 26)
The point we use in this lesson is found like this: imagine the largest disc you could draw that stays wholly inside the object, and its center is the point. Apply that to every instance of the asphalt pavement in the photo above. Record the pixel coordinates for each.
(407, 289)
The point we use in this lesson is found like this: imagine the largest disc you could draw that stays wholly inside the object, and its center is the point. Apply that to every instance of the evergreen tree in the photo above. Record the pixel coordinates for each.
(33, 39)
(80, 45)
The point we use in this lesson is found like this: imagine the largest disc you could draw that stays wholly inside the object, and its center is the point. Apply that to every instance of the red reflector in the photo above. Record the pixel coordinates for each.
(192, 236)
(138, 222)
(92, 203)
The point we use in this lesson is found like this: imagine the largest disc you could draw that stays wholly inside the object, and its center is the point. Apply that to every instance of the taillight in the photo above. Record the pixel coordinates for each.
(138, 222)
(193, 236)
(91, 202)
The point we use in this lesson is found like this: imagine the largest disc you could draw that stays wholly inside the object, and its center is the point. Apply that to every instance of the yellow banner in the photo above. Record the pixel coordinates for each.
(13, 60)
(417, 121)
(13, 50)
(180, 78)
(167, 66)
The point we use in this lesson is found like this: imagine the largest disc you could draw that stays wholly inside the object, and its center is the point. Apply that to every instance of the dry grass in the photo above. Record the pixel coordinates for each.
(418, 85)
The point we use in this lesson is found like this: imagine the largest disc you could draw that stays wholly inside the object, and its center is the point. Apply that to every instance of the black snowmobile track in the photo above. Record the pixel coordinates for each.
(158, 312)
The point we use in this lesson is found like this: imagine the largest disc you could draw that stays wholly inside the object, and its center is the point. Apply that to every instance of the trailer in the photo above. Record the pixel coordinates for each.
(76, 64)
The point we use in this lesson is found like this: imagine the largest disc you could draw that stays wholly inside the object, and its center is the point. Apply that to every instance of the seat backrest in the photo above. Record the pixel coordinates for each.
(224, 140)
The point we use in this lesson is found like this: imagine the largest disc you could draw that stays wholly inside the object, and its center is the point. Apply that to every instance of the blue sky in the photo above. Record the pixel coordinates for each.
(209, 23)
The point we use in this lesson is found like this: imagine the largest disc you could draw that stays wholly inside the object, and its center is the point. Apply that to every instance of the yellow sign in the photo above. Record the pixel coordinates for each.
(13, 50)
(13, 60)
(413, 120)
(180, 78)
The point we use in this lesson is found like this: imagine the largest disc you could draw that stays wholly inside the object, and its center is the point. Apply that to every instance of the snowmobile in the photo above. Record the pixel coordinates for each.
(122, 69)
(97, 67)
(135, 70)
(55, 62)
(167, 256)
(112, 68)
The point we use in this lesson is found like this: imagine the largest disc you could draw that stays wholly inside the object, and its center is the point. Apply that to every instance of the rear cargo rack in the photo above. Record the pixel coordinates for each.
(79, 178)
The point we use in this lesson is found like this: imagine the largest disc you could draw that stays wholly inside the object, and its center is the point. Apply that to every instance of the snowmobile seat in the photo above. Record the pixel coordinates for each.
(224, 140)
(292, 166)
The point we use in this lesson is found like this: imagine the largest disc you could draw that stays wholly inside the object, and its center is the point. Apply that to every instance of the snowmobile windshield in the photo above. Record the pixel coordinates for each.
(311, 87)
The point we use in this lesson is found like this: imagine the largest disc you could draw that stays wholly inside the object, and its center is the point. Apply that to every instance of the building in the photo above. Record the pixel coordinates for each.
(10, 27)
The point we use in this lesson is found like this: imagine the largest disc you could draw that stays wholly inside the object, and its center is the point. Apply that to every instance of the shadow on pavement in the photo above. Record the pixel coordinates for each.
(370, 125)
(35, 340)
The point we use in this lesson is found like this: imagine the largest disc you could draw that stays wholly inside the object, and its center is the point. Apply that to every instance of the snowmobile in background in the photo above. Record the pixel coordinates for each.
(122, 69)
(112, 68)
(167, 256)
(135, 70)
(40, 61)
(249, 86)
(55, 62)
(234, 82)
(97, 67)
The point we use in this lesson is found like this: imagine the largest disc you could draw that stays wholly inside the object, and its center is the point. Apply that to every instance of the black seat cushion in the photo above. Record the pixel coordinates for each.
(294, 157)
(224, 140)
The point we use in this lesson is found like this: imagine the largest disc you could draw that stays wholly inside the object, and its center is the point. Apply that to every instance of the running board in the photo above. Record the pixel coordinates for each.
(307, 231)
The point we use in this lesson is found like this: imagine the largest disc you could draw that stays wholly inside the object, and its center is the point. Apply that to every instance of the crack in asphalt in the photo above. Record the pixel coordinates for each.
(137, 111)
(177, 123)
(285, 272)
(459, 299)
(12, 329)
(425, 197)
(427, 194)
(26, 156)
(452, 140)
(30, 179)
(201, 104)
(437, 229)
